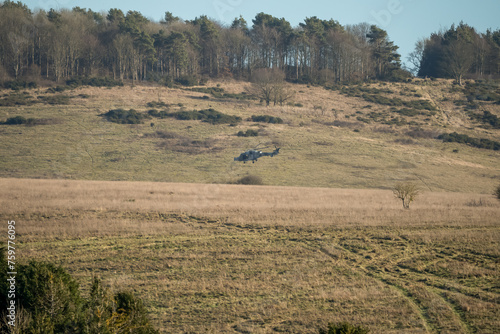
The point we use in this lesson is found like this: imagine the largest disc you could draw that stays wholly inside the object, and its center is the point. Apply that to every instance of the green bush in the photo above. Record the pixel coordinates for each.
(266, 119)
(487, 118)
(93, 81)
(465, 139)
(49, 301)
(17, 120)
(122, 116)
(248, 133)
(187, 80)
(17, 99)
(343, 328)
(20, 84)
(211, 116)
(156, 104)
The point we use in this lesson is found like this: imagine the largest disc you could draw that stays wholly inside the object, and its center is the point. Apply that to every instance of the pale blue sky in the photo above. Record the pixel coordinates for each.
(406, 21)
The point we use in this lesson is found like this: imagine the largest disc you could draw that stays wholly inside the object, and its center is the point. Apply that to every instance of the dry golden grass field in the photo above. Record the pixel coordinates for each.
(212, 258)
(153, 207)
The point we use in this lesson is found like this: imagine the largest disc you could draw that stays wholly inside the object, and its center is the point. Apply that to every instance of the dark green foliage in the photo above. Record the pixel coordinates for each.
(17, 120)
(343, 328)
(250, 180)
(248, 133)
(374, 95)
(51, 302)
(267, 119)
(159, 114)
(496, 193)
(57, 89)
(487, 118)
(211, 116)
(407, 112)
(17, 99)
(20, 84)
(122, 116)
(475, 142)
(20, 120)
(483, 90)
(156, 104)
(187, 80)
(94, 82)
(51, 296)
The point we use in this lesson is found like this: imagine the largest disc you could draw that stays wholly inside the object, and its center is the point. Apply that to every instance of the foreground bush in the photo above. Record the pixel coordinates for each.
(344, 328)
(48, 301)
(497, 192)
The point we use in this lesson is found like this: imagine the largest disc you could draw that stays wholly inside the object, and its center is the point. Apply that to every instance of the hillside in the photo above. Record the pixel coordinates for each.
(360, 136)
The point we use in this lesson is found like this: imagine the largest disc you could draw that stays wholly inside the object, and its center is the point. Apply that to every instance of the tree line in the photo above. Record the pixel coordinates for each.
(458, 52)
(61, 44)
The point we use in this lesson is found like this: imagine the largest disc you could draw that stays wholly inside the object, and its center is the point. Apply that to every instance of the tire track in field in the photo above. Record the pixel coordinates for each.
(412, 291)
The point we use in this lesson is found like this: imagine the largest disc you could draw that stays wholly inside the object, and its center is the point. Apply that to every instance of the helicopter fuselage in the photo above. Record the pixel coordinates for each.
(253, 155)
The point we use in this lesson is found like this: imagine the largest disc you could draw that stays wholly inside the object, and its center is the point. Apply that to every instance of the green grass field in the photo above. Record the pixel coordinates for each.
(152, 208)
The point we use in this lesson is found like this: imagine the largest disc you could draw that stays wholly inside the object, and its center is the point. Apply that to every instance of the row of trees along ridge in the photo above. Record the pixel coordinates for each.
(60, 44)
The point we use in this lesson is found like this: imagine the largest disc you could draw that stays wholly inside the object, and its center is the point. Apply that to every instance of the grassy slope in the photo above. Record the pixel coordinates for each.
(81, 145)
(230, 259)
(223, 258)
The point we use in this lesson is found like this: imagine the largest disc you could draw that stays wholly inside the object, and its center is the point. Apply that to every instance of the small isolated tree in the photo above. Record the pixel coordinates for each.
(406, 192)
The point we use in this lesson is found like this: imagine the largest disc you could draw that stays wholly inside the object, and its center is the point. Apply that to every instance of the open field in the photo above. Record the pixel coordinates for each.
(327, 138)
(213, 258)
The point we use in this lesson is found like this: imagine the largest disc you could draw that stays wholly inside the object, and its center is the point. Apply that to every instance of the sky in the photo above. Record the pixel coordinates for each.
(406, 21)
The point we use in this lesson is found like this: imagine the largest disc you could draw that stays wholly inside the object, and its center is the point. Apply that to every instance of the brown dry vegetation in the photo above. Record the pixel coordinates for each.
(260, 259)
(324, 140)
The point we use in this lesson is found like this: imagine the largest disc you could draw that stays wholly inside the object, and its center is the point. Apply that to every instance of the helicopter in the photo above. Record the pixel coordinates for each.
(253, 155)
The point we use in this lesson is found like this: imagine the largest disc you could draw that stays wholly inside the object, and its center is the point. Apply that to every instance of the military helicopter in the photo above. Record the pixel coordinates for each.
(254, 154)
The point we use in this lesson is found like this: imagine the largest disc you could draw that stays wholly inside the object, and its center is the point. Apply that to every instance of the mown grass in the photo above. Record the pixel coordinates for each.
(229, 258)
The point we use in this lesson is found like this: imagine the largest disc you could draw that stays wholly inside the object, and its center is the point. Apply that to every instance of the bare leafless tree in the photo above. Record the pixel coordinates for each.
(406, 192)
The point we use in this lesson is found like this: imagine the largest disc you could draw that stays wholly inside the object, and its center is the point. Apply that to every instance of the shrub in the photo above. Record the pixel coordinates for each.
(20, 120)
(248, 133)
(406, 192)
(17, 120)
(17, 99)
(187, 80)
(211, 116)
(51, 303)
(266, 119)
(122, 116)
(497, 192)
(20, 84)
(343, 328)
(94, 82)
(250, 180)
(465, 139)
